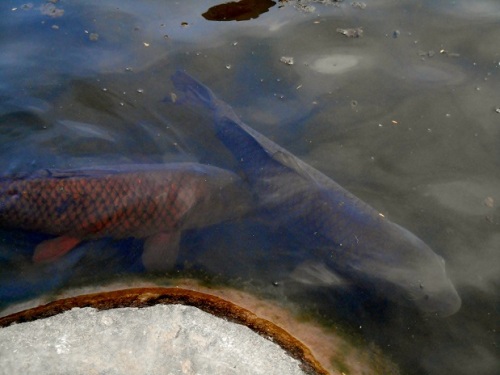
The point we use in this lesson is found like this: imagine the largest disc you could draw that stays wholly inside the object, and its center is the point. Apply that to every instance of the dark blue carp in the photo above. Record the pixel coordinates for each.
(351, 238)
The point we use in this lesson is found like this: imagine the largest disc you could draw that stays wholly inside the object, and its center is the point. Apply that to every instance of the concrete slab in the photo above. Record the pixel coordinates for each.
(161, 339)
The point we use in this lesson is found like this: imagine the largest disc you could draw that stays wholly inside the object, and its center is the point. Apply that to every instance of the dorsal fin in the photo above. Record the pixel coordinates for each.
(291, 162)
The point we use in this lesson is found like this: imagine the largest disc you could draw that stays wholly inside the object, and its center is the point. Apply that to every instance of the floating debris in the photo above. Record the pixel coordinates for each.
(447, 53)
(93, 37)
(173, 97)
(55, 27)
(140, 91)
(358, 4)
(145, 44)
(184, 24)
(27, 6)
(49, 9)
(305, 8)
(395, 34)
(228, 66)
(287, 60)
(356, 32)
(429, 53)
(497, 109)
(242, 10)
(304, 5)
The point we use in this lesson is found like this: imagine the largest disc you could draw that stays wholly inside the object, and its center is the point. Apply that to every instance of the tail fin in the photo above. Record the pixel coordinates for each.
(251, 150)
(194, 90)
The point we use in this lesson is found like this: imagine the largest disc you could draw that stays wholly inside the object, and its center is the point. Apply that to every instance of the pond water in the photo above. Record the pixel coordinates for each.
(397, 101)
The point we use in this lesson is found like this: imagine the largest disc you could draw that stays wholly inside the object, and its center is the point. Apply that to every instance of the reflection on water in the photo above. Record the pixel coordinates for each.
(404, 117)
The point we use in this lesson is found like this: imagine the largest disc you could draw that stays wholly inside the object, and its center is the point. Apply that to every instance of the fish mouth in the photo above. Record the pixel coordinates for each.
(442, 303)
(436, 297)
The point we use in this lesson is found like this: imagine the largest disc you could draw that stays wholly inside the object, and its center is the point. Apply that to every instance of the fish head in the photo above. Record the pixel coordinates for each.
(404, 269)
(426, 284)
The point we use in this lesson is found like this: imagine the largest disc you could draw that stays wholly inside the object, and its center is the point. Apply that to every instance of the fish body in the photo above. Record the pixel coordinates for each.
(350, 237)
(155, 202)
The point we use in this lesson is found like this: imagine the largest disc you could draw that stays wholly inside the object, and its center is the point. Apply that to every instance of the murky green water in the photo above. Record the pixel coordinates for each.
(407, 117)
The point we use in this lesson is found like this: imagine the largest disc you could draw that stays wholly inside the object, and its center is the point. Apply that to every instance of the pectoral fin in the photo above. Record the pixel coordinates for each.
(50, 250)
(316, 274)
(161, 251)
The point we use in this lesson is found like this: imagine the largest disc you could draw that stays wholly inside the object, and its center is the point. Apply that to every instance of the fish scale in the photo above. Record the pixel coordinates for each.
(133, 201)
(119, 205)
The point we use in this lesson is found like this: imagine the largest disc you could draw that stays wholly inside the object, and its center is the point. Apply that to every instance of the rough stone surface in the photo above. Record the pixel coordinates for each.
(163, 339)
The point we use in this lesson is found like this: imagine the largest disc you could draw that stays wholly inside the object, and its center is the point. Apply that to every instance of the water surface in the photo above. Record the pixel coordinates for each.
(407, 117)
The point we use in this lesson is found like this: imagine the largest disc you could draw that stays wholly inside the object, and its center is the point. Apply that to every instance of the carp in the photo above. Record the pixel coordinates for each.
(347, 236)
(153, 202)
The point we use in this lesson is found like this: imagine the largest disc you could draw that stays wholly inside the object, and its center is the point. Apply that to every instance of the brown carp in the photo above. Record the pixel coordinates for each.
(154, 202)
